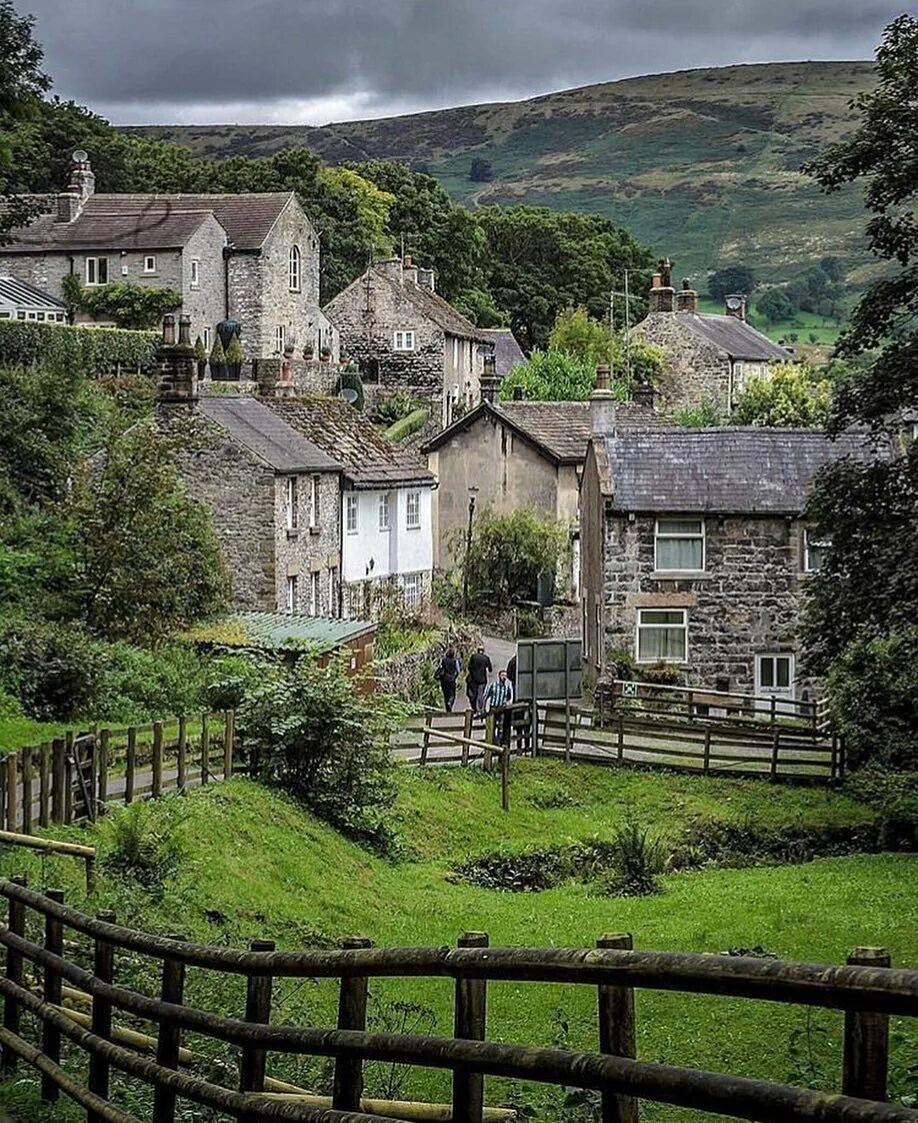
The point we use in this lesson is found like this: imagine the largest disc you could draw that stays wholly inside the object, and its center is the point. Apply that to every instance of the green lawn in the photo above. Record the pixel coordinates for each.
(264, 868)
(18, 732)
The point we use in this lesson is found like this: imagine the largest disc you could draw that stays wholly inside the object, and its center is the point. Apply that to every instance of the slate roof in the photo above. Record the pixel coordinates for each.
(507, 351)
(739, 339)
(561, 430)
(14, 291)
(152, 222)
(275, 631)
(434, 307)
(720, 471)
(267, 435)
(368, 459)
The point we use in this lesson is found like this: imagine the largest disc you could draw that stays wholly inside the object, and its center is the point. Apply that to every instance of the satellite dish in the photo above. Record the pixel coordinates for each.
(80, 157)
(349, 395)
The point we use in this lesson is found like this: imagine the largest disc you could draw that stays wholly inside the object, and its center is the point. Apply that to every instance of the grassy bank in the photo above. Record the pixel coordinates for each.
(256, 865)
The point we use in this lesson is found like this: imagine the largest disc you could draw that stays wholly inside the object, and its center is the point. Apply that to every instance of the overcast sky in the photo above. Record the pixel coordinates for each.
(315, 61)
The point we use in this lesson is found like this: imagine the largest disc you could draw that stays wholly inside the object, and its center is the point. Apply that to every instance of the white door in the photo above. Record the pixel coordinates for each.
(774, 678)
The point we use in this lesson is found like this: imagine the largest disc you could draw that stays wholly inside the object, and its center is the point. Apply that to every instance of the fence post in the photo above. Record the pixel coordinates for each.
(58, 778)
(68, 777)
(205, 750)
(182, 751)
(157, 779)
(103, 969)
(774, 710)
(27, 775)
(44, 784)
(616, 1033)
(11, 1011)
(866, 1056)
(169, 1038)
(505, 777)
(130, 764)
(51, 993)
(535, 728)
(12, 792)
(102, 793)
(774, 754)
(470, 1021)
(257, 1010)
(467, 734)
(707, 749)
(621, 738)
(425, 738)
(229, 732)
(352, 1014)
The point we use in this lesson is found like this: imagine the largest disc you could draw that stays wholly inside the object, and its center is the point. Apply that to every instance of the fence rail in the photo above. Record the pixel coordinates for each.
(73, 777)
(867, 989)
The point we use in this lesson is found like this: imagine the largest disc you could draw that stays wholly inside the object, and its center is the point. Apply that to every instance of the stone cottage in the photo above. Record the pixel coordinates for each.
(407, 337)
(706, 357)
(385, 522)
(252, 258)
(274, 496)
(695, 552)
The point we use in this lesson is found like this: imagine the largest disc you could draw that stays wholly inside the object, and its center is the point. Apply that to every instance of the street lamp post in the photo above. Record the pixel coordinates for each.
(473, 491)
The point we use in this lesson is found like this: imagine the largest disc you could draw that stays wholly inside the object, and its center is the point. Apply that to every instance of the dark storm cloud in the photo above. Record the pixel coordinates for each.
(304, 59)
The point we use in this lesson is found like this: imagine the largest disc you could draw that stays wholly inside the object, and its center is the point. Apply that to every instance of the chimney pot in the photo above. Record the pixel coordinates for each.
(407, 261)
(489, 379)
(602, 403)
(185, 330)
(655, 281)
(603, 376)
(169, 329)
(686, 298)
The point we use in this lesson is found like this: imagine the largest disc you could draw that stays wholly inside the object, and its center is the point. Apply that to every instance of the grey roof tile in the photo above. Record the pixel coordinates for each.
(507, 351)
(739, 339)
(267, 435)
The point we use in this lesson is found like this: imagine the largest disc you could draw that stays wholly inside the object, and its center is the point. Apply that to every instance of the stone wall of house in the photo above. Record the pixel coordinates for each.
(365, 600)
(312, 551)
(312, 379)
(239, 491)
(745, 603)
(206, 303)
(694, 369)
(367, 322)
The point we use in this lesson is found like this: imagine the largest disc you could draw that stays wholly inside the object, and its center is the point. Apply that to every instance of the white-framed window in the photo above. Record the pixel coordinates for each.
(403, 341)
(149, 263)
(6, 315)
(291, 502)
(413, 510)
(814, 551)
(774, 674)
(40, 316)
(314, 502)
(195, 272)
(455, 353)
(293, 269)
(292, 592)
(351, 507)
(314, 592)
(412, 589)
(96, 270)
(662, 635)
(384, 511)
(205, 339)
(280, 338)
(679, 545)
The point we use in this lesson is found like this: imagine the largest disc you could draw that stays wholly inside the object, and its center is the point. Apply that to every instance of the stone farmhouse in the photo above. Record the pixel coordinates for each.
(250, 258)
(706, 357)
(695, 552)
(21, 301)
(406, 337)
(386, 519)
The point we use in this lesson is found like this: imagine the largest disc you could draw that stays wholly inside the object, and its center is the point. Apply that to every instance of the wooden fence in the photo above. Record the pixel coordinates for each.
(71, 778)
(48, 944)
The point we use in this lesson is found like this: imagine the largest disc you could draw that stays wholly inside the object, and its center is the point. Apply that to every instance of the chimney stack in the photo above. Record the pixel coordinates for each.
(644, 394)
(603, 404)
(427, 279)
(662, 295)
(687, 297)
(736, 305)
(489, 380)
(178, 370)
(82, 185)
(409, 269)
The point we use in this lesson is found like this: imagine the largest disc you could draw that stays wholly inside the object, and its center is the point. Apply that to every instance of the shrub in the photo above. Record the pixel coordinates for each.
(140, 846)
(217, 360)
(532, 871)
(137, 684)
(78, 350)
(349, 379)
(402, 430)
(705, 415)
(637, 860)
(130, 305)
(893, 793)
(393, 408)
(551, 799)
(54, 669)
(793, 396)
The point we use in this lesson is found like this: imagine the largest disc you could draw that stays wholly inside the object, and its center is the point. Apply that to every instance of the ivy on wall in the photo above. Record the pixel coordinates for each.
(130, 305)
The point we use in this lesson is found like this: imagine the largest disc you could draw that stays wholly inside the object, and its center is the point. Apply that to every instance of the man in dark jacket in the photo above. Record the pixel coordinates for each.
(477, 680)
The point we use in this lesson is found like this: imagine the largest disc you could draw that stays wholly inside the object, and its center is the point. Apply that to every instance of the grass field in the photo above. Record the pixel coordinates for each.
(257, 865)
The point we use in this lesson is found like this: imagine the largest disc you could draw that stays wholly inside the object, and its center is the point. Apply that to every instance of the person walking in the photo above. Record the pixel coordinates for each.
(500, 693)
(448, 672)
(477, 681)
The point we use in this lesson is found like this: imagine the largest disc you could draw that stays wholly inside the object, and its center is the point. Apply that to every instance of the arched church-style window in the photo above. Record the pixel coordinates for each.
(293, 269)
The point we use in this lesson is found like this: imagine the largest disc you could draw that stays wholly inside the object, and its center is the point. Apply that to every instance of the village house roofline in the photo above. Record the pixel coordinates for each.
(140, 221)
(720, 471)
(735, 337)
(507, 350)
(559, 430)
(266, 435)
(14, 291)
(368, 460)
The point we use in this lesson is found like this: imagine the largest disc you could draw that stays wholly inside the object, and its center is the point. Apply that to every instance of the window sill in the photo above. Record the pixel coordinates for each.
(418, 527)
(314, 530)
(681, 575)
(292, 532)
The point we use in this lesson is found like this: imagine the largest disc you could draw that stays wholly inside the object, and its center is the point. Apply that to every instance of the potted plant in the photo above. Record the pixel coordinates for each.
(200, 356)
(309, 352)
(325, 353)
(217, 361)
(235, 357)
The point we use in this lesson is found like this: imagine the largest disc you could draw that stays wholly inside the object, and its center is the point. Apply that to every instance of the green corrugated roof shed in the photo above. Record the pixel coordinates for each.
(275, 631)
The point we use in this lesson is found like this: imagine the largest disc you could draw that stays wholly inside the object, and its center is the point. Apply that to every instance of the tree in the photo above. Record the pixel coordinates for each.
(793, 397)
(633, 361)
(551, 376)
(732, 278)
(868, 587)
(479, 307)
(480, 170)
(833, 267)
(775, 305)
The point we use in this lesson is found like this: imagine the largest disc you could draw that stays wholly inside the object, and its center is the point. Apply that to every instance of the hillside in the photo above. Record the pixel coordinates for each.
(701, 164)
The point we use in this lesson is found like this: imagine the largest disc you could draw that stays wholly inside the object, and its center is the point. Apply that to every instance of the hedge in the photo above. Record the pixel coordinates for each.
(94, 351)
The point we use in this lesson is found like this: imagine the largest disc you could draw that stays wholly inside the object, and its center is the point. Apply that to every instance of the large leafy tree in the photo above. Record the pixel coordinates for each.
(869, 585)
(732, 278)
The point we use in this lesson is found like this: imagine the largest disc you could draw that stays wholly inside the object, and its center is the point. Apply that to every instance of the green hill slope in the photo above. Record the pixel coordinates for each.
(701, 164)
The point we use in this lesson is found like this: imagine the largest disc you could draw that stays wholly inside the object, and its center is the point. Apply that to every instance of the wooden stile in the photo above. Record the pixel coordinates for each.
(866, 1048)
(11, 1012)
(617, 1034)
(169, 1039)
(257, 1009)
(51, 992)
(101, 1023)
(352, 1014)
(470, 1023)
